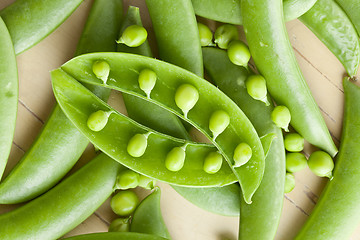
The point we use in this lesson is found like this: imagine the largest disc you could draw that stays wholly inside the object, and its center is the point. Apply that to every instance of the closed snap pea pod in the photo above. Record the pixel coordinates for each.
(333, 27)
(352, 9)
(337, 212)
(115, 236)
(9, 91)
(274, 58)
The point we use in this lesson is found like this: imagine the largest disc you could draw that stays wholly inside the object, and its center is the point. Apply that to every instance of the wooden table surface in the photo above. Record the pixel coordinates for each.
(320, 67)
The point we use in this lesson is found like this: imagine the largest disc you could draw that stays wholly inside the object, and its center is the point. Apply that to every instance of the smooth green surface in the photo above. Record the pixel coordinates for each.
(120, 225)
(295, 162)
(289, 182)
(352, 9)
(337, 212)
(124, 203)
(225, 34)
(274, 58)
(115, 236)
(294, 142)
(133, 36)
(321, 164)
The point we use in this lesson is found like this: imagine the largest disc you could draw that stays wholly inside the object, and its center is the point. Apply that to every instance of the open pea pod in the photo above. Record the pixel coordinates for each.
(169, 79)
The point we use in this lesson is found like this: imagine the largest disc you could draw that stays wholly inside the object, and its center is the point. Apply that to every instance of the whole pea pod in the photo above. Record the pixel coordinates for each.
(116, 236)
(337, 212)
(274, 57)
(352, 9)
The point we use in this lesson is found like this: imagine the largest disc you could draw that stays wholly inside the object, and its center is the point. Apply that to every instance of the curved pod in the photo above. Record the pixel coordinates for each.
(352, 9)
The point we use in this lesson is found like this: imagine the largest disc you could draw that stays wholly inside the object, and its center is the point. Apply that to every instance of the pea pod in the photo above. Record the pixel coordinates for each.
(273, 55)
(352, 9)
(337, 212)
(8, 94)
(115, 236)
(332, 26)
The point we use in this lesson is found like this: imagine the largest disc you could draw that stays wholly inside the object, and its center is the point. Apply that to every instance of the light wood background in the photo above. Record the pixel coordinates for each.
(321, 69)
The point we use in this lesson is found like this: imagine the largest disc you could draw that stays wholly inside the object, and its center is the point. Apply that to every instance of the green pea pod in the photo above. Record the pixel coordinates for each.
(9, 91)
(337, 212)
(352, 9)
(229, 11)
(274, 57)
(65, 206)
(60, 144)
(147, 217)
(115, 236)
(332, 26)
(30, 21)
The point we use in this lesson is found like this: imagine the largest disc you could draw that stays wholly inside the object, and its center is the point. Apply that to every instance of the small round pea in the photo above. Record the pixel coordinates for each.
(175, 159)
(205, 35)
(242, 154)
(186, 97)
(256, 88)
(289, 182)
(321, 164)
(238, 53)
(133, 36)
(213, 162)
(294, 142)
(218, 122)
(127, 179)
(281, 117)
(98, 120)
(295, 162)
(101, 69)
(146, 182)
(120, 225)
(147, 80)
(137, 145)
(124, 203)
(225, 34)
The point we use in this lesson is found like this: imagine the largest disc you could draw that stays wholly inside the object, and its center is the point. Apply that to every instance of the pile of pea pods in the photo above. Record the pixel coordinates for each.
(253, 107)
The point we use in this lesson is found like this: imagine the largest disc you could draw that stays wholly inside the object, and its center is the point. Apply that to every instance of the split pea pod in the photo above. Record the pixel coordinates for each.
(337, 212)
(274, 57)
(116, 236)
(352, 9)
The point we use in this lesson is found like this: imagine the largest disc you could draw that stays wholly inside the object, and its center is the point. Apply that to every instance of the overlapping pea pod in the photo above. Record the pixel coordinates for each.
(116, 236)
(352, 9)
(169, 79)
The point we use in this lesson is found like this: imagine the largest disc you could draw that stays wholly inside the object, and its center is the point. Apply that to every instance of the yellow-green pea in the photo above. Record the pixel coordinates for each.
(120, 225)
(101, 69)
(295, 162)
(256, 88)
(175, 159)
(218, 122)
(225, 34)
(127, 179)
(133, 36)
(147, 81)
(124, 203)
(137, 145)
(98, 120)
(213, 162)
(146, 182)
(238, 53)
(205, 35)
(321, 164)
(294, 142)
(281, 117)
(242, 154)
(289, 182)
(186, 97)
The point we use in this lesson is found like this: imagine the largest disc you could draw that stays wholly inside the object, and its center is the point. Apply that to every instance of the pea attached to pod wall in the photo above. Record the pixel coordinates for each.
(137, 145)
(133, 36)
(98, 120)
(218, 122)
(101, 70)
(175, 159)
(147, 81)
(213, 162)
(242, 154)
(281, 117)
(256, 88)
(186, 97)
(239, 53)
(206, 35)
(225, 34)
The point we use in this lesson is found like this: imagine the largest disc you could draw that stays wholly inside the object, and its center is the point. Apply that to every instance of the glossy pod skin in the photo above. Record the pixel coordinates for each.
(116, 236)
(229, 11)
(50, 216)
(337, 212)
(30, 21)
(274, 58)
(332, 26)
(352, 9)
(46, 162)
(9, 91)
(260, 219)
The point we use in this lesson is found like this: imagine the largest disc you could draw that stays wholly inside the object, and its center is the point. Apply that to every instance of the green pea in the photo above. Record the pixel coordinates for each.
(124, 203)
(101, 69)
(120, 225)
(127, 179)
(238, 53)
(147, 80)
(218, 122)
(186, 97)
(206, 35)
(213, 162)
(175, 159)
(98, 120)
(133, 36)
(294, 142)
(289, 182)
(256, 88)
(225, 34)
(137, 145)
(295, 162)
(281, 117)
(321, 164)
(146, 182)
(242, 154)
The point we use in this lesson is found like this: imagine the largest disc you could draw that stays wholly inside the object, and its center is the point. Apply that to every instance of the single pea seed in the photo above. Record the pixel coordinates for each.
(281, 117)
(238, 53)
(98, 120)
(295, 162)
(127, 179)
(242, 154)
(256, 88)
(218, 122)
(225, 34)
(175, 159)
(101, 69)
(124, 203)
(186, 97)
(321, 164)
(213, 162)
(120, 225)
(289, 182)
(294, 142)
(205, 35)
(147, 80)
(146, 182)
(133, 36)
(137, 145)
